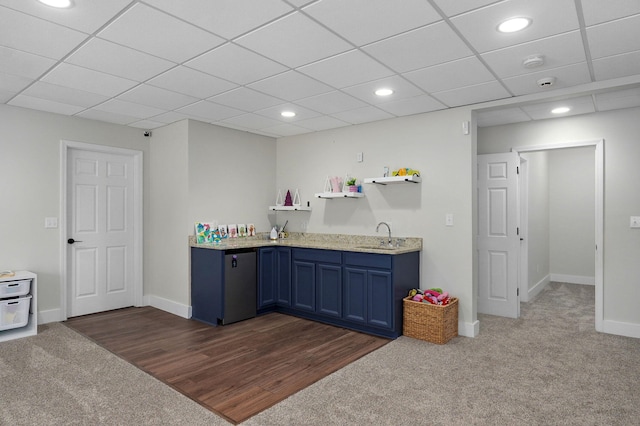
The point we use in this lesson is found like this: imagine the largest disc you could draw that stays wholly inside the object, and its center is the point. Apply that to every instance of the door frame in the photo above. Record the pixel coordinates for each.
(599, 214)
(65, 146)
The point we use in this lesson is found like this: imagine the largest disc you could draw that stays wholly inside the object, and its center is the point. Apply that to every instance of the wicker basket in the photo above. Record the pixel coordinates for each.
(433, 323)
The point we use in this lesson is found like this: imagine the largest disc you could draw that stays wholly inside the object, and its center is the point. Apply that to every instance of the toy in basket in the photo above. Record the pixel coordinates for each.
(430, 315)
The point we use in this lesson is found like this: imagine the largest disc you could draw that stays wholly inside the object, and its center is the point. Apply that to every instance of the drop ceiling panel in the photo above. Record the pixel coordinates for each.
(451, 8)
(393, 51)
(236, 64)
(117, 106)
(86, 15)
(87, 80)
(410, 106)
(617, 66)
(331, 102)
(209, 111)
(612, 38)
(286, 130)
(157, 97)
(502, 117)
(322, 123)
(366, 21)
(401, 87)
(305, 41)
(618, 99)
(251, 121)
(64, 95)
(104, 56)
(346, 69)
(245, 99)
(595, 13)
(109, 117)
(44, 105)
(301, 113)
(472, 94)
(159, 34)
(34, 35)
(14, 83)
(214, 16)
(290, 86)
(571, 75)
(550, 17)
(362, 115)
(191, 82)
(460, 73)
(17, 62)
(146, 124)
(541, 111)
(557, 51)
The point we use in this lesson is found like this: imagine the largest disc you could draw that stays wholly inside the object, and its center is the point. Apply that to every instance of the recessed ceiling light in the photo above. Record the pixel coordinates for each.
(512, 25)
(57, 3)
(560, 110)
(383, 92)
(288, 114)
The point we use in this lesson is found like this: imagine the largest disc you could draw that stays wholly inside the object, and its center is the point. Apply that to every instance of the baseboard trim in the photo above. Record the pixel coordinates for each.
(51, 315)
(467, 329)
(538, 287)
(621, 328)
(167, 305)
(573, 279)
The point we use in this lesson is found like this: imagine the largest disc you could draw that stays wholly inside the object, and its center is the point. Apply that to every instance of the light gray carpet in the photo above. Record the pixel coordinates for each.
(549, 367)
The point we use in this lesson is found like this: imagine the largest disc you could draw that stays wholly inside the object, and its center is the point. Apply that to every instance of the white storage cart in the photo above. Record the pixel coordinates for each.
(18, 306)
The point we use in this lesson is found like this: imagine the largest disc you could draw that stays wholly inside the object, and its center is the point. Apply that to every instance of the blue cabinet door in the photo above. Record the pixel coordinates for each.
(329, 290)
(355, 294)
(380, 306)
(283, 276)
(304, 286)
(266, 277)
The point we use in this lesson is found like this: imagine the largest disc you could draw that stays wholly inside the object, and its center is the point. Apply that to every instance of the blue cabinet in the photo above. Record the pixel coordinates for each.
(207, 285)
(304, 285)
(317, 281)
(274, 277)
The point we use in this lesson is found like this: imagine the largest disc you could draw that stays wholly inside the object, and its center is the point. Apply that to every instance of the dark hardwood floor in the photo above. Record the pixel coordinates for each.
(236, 370)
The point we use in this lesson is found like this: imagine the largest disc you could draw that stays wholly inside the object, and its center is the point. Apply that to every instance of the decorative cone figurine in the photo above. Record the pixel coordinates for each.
(287, 199)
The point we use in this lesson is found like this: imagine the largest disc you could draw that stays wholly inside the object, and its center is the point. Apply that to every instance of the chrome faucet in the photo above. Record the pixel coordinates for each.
(388, 227)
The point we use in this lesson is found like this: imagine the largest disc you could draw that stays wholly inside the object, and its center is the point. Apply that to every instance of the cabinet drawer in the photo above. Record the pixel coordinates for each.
(321, 256)
(369, 260)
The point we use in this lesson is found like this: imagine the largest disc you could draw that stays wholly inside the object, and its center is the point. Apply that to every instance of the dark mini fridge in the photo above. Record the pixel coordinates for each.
(239, 285)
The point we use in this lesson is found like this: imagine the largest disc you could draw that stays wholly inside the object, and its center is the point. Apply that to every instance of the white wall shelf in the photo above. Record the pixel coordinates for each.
(330, 195)
(387, 180)
(290, 208)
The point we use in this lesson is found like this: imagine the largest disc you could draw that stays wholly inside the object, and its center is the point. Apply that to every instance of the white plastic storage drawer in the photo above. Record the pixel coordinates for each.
(14, 313)
(14, 288)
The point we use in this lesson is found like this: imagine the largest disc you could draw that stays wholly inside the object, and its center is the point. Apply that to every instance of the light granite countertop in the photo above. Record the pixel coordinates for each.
(342, 242)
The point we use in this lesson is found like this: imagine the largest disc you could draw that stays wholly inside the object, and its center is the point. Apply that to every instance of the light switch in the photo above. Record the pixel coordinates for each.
(359, 157)
(448, 219)
(50, 222)
(634, 222)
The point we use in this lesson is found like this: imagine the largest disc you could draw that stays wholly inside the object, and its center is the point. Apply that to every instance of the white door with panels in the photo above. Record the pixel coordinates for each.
(100, 231)
(498, 241)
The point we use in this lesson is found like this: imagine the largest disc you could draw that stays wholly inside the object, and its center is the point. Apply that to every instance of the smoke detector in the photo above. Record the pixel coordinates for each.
(546, 82)
(533, 61)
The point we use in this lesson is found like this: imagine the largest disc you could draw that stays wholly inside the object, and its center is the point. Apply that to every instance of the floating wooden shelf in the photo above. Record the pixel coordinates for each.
(290, 208)
(387, 180)
(339, 195)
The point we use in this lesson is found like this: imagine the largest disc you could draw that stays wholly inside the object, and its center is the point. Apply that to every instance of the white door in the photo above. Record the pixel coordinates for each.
(498, 241)
(100, 218)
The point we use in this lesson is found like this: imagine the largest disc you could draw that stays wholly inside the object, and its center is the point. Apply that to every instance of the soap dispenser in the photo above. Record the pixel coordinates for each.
(274, 234)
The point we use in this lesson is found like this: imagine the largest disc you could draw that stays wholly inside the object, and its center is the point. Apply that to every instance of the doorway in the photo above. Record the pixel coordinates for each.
(101, 232)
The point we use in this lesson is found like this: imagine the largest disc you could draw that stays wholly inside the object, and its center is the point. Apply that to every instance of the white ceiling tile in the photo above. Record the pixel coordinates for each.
(541, 111)
(85, 15)
(109, 117)
(5, 96)
(619, 99)
(149, 30)
(209, 111)
(607, 40)
(34, 35)
(191, 82)
(451, 8)
(13, 83)
(410, 106)
(147, 124)
(322, 123)
(557, 51)
(460, 73)
(44, 105)
(301, 113)
(65, 95)
(300, 3)
(157, 97)
(290, 86)
(331, 102)
(502, 117)
(294, 40)
(286, 130)
(595, 13)
(402, 89)
(550, 17)
(237, 64)
(251, 121)
(416, 49)
(87, 80)
(21, 63)
(104, 56)
(227, 18)
(617, 66)
(362, 115)
(245, 99)
(571, 75)
(472, 94)
(366, 21)
(170, 117)
(346, 69)
(130, 109)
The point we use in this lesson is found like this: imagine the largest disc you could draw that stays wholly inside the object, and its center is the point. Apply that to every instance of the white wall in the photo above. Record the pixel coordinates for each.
(30, 189)
(620, 130)
(432, 143)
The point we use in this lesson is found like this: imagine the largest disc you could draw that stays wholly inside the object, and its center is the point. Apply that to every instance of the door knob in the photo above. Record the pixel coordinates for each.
(71, 241)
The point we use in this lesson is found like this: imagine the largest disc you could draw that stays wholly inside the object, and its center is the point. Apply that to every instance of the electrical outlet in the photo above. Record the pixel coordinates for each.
(634, 222)
(50, 222)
